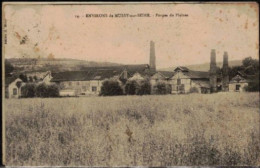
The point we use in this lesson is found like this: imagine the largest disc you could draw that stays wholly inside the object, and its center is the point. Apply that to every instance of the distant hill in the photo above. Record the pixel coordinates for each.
(64, 64)
(205, 66)
(61, 64)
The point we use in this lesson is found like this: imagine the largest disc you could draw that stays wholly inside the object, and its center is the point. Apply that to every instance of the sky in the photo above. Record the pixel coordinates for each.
(63, 31)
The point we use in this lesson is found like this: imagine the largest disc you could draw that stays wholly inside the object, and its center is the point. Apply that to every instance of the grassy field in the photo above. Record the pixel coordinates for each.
(194, 129)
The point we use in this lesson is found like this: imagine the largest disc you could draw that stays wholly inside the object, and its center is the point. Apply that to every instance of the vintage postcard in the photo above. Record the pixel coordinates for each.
(130, 84)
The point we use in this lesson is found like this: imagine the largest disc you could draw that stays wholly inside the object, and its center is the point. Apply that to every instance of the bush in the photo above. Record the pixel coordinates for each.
(30, 79)
(131, 87)
(111, 88)
(28, 90)
(168, 88)
(162, 88)
(253, 86)
(23, 77)
(144, 88)
(53, 90)
(9, 68)
(42, 90)
(194, 90)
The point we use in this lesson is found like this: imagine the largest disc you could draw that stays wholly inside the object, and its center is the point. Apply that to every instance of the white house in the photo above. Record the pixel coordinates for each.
(184, 80)
(238, 83)
(13, 87)
(47, 78)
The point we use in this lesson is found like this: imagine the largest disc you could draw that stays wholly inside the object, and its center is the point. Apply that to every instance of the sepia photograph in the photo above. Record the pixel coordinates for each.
(130, 84)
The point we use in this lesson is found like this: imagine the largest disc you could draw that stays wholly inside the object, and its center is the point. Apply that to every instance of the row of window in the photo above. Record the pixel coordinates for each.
(93, 88)
(179, 81)
(83, 87)
(178, 87)
(76, 83)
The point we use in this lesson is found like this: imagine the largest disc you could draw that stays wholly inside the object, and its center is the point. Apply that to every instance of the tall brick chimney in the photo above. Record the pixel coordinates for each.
(225, 76)
(213, 72)
(152, 57)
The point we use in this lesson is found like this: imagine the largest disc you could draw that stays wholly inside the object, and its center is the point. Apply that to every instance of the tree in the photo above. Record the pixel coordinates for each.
(234, 70)
(8, 68)
(194, 90)
(253, 84)
(53, 90)
(251, 66)
(28, 90)
(162, 88)
(23, 77)
(35, 78)
(30, 79)
(248, 61)
(168, 89)
(131, 87)
(145, 88)
(111, 88)
(42, 90)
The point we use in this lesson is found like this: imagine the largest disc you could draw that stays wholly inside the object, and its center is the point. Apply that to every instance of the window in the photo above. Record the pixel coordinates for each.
(237, 87)
(77, 83)
(178, 81)
(174, 88)
(94, 88)
(180, 88)
(62, 85)
(84, 88)
(14, 91)
(69, 83)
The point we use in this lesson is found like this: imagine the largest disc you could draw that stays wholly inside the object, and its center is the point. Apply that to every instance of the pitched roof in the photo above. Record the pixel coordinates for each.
(136, 68)
(242, 74)
(197, 74)
(167, 74)
(84, 75)
(192, 74)
(130, 68)
(182, 68)
(98, 73)
(9, 80)
(238, 79)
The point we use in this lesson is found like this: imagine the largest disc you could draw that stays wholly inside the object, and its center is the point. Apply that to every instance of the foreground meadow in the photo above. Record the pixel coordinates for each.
(194, 129)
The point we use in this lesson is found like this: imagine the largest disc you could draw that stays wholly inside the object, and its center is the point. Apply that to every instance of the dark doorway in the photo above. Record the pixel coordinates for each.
(237, 87)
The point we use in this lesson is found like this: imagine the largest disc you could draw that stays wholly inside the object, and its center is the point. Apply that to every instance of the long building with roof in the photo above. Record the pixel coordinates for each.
(89, 81)
(180, 80)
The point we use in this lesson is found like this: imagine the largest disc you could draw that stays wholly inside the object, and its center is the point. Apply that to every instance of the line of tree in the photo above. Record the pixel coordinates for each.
(111, 88)
(8, 68)
(250, 67)
(161, 88)
(140, 87)
(39, 90)
(133, 87)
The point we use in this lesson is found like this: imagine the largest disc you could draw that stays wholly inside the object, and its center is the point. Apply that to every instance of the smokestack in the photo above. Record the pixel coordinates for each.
(225, 76)
(213, 59)
(152, 57)
(225, 59)
(213, 71)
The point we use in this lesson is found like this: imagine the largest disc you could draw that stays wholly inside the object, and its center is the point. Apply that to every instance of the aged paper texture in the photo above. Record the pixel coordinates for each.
(130, 84)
